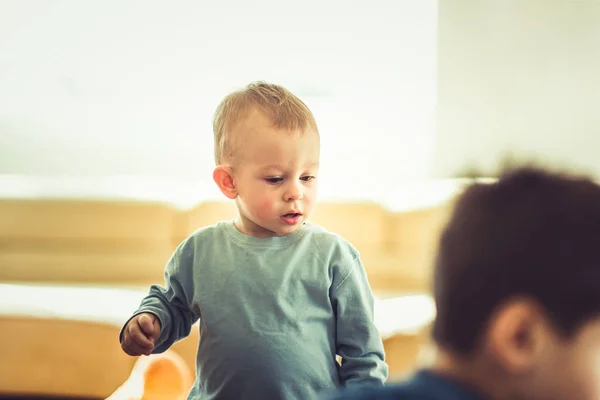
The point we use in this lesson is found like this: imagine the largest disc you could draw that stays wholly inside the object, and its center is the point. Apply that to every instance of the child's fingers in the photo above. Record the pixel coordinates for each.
(134, 349)
(138, 337)
(135, 343)
(149, 326)
(140, 334)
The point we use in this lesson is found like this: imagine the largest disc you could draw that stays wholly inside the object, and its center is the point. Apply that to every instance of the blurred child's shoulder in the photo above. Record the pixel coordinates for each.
(420, 385)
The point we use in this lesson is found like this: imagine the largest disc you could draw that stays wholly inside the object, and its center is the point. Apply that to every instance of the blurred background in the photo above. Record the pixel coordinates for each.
(106, 145)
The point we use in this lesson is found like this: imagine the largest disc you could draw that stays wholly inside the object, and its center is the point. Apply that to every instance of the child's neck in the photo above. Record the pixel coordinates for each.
(473, 373)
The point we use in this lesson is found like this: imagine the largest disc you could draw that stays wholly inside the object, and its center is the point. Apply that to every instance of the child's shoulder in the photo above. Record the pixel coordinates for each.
(203, 236)
(211, 230)
(329, 241)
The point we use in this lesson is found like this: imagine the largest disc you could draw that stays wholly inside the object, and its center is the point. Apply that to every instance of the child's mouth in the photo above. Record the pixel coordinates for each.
(291, 218)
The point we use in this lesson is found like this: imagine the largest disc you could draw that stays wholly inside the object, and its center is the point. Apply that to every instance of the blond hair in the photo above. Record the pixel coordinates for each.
(285, 110)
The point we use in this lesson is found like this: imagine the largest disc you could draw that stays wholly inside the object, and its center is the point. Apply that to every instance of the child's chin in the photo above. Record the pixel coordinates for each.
(292, 229)
(286, 230)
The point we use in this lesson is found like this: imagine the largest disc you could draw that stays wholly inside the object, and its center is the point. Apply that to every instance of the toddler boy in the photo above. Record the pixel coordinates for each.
(277, 297)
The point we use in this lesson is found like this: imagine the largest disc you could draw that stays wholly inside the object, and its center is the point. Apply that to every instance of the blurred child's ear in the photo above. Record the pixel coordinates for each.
(223, 177)
(518, 336)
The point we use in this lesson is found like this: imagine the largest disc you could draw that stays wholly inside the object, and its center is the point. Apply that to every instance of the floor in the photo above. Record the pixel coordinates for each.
(11, 397)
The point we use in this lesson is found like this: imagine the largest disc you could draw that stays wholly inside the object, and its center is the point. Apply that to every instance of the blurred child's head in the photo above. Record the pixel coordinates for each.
(267, 151)
(517, 286)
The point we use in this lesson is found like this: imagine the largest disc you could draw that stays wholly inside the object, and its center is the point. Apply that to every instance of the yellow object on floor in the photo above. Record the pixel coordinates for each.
(157, 377)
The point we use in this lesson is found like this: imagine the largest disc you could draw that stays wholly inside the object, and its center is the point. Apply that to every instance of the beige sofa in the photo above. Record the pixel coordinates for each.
(51, 248)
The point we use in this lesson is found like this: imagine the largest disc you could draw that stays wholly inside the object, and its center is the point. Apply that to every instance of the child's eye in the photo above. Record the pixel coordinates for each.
(308, 178)
(274, 180)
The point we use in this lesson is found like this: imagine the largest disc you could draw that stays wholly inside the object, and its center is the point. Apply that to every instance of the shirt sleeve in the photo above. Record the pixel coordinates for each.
(358, 341)
(172, 303)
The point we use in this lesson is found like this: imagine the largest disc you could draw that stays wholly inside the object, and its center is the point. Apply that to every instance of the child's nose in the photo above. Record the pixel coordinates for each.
(293, 193)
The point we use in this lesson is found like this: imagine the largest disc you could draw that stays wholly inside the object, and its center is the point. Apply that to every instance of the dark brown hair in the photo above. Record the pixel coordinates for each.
(533, 233)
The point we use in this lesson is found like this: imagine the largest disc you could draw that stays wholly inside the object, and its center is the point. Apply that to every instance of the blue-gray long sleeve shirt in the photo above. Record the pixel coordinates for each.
(274, 313)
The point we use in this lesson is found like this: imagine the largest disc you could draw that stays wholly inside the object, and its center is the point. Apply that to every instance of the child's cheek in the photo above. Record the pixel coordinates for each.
(266, 208)
(309, 198)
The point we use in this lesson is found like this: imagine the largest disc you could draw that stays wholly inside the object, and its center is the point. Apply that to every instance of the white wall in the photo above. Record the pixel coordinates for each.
(97, 89)
(518, 76)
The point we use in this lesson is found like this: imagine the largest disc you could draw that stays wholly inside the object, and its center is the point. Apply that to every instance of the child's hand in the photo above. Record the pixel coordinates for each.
(140, 334)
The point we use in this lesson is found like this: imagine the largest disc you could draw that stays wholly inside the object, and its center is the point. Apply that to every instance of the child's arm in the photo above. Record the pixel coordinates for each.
(171, 303)
(359, 342)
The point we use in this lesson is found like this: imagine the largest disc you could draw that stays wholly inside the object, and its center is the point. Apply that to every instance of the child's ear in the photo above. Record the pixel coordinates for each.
(223, 177)
(517, 336)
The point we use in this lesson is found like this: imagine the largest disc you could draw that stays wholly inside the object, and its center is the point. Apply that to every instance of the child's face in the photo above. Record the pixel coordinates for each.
(275, 177)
